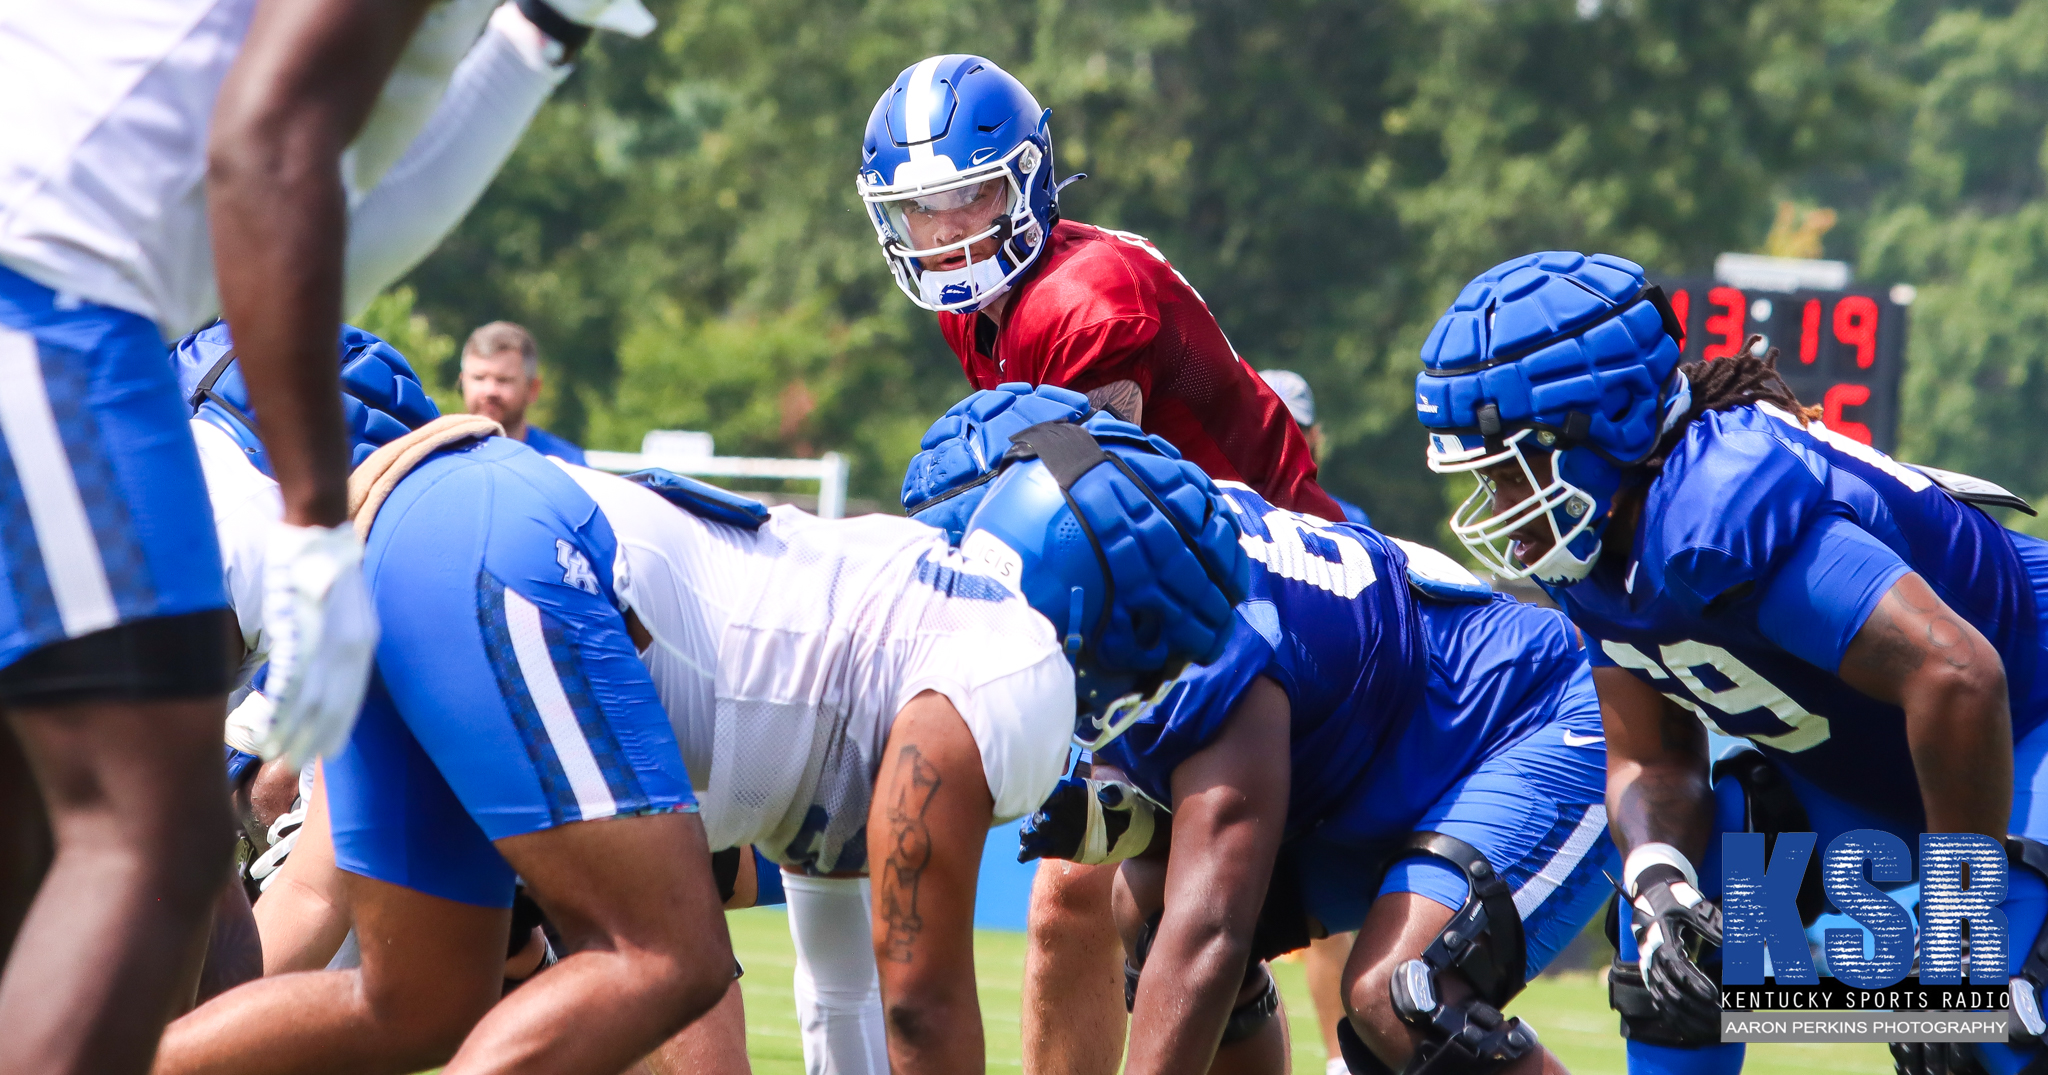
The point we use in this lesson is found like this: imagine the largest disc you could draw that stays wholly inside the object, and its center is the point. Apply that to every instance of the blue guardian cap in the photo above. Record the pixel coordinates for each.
(948, 477)
(1128, 549)
(957, 153)
(381, 397)
(1566, 365)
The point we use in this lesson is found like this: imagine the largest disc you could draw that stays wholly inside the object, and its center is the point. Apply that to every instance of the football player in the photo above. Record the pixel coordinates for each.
(115, 638)
(382, 399)
(1736, 565)
(1384, 745)
(924, 695)
(957, 176)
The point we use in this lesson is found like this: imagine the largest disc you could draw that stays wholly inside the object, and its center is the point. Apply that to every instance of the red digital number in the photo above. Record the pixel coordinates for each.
(1727, 324)
(1681, 308)
(1809, 332)
(1856, 325)
(1845, 395)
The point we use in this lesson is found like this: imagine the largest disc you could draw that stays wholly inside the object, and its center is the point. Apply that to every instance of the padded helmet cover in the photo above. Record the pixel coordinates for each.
(382, 398)
(1580, 346)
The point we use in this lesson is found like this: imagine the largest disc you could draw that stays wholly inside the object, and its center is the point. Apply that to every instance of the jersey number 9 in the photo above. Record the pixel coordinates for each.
(1747, 690)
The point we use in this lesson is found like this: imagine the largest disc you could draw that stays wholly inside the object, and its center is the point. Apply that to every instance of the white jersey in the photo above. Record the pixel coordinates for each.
(106, 106)
(784, 654)
(246, 505)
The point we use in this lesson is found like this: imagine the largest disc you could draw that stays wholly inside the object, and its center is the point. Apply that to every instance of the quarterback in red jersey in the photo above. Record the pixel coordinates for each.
(957, 175)
(1104, 313)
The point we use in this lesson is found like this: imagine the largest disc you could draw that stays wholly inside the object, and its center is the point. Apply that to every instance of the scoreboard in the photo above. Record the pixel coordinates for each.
(1844, 350)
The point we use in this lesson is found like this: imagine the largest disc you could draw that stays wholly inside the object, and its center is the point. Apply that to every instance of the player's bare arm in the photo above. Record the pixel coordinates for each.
(1121, 398)
(300, 91)
(1230, 806)
(1657, 789)
(1916, 653)
(930, 813)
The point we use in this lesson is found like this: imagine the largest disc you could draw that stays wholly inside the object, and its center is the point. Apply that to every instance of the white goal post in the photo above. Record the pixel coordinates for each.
(689, 452)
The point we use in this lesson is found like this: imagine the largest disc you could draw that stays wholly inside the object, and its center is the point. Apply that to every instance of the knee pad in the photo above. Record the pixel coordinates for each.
(2029, 1027)
(1245, 1019)
(725, 870)
(1770, 806)
(1640, 1021)
(1358, 1058)
(1935, 1058)
(1483, 942)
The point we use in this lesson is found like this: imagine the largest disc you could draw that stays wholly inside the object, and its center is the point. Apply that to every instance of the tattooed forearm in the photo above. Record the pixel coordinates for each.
(910, 852)
(1120, 398)
(1902, 633)
(1886, 646)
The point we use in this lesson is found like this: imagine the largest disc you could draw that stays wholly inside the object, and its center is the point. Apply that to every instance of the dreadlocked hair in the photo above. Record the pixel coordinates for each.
(1727, 383)
(1719, 385)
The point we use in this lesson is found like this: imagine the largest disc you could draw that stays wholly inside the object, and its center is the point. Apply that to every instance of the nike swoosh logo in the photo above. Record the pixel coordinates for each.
(1571, 740)
(1630, 585)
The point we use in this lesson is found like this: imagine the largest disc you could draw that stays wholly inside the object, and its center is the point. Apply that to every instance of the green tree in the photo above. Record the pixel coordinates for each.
(680, 229)
(1967, 223)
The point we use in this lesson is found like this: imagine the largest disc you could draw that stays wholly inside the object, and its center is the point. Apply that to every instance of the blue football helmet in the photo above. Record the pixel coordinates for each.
(1566, 365)
(957, 152)
(381, 397)
(1126, 548)
(947, 478)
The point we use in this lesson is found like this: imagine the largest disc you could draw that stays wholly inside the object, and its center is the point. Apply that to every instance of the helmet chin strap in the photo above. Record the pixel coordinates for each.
(1560, 566)
(1678, 404)
(1075, 598)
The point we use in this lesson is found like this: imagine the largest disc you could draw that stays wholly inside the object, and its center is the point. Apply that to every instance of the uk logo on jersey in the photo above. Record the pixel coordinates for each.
(576, 569)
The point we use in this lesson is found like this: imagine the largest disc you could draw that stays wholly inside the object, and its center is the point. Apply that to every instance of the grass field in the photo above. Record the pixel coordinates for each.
(1570, 1012)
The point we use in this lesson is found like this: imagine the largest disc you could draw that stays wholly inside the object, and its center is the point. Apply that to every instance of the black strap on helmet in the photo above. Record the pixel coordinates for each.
(204, 393)
(1673, 327)
(1067, 449)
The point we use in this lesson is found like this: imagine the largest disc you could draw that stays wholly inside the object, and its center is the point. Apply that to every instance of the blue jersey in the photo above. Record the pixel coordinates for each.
(1393, 697)
(1762, 549)
(546, 443)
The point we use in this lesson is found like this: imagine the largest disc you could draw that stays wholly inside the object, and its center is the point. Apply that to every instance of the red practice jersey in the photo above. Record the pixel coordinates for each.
(1104, 306)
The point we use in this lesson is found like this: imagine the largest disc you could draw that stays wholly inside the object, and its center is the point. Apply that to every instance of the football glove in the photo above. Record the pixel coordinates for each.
(1935, 1058)
(322, 629)
(629, 17)
(1673, 923)
(1089, 821)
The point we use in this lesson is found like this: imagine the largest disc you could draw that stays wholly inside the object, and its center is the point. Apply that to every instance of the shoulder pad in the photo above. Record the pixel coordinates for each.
(1437, 577)
(1971, 490)
(703, 499)
(1731, 503)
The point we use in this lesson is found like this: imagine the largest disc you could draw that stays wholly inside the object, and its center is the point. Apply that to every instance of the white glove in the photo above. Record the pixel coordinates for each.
(323, 636)
(627, 17)
(249, 723)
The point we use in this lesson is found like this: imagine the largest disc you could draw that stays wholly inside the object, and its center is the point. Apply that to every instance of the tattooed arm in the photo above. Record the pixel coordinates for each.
(930, 814)
(1657, 788)
(1917, 654)
(1121, 398)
